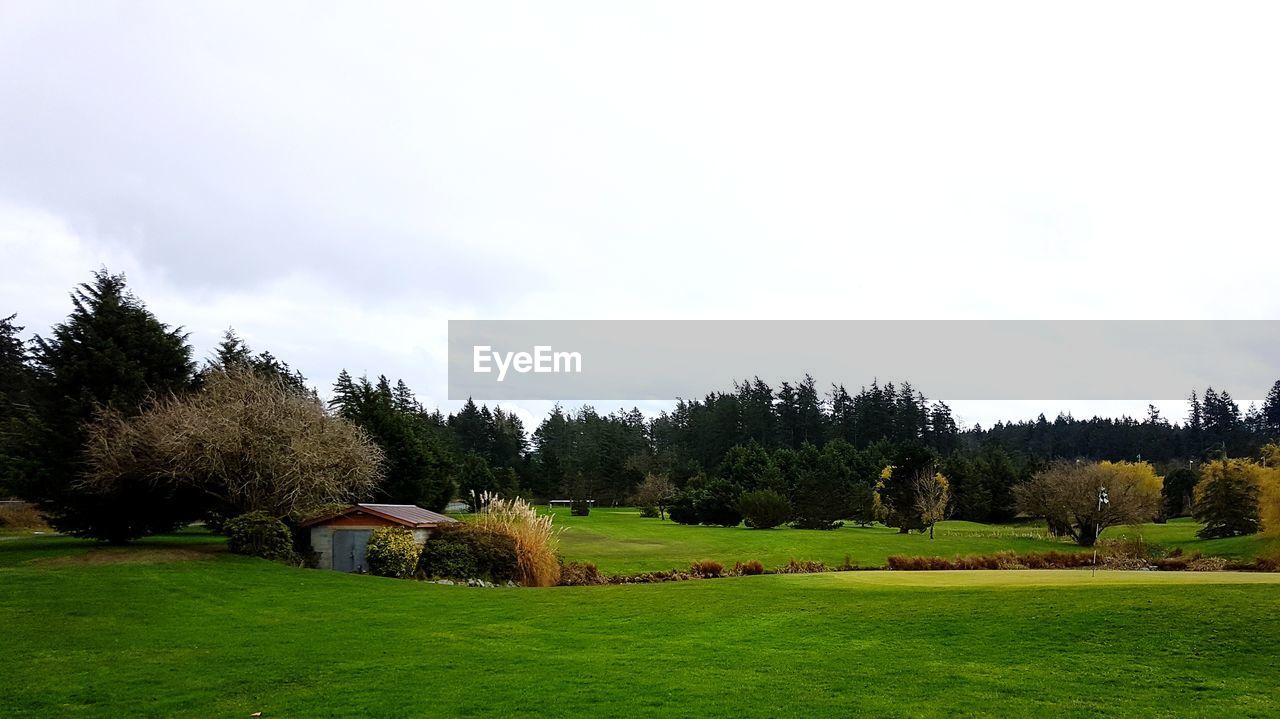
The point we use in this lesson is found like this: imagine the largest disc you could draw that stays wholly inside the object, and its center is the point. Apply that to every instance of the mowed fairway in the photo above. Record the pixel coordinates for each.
(178, 628)
(619, 541)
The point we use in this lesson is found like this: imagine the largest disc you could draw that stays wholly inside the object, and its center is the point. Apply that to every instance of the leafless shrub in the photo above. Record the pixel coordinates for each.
(244, 439)
(21, 516)
(1207, 564)
(998, 560)
(803, 566)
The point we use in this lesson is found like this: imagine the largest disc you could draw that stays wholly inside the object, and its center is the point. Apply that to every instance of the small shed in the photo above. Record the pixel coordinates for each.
(339, 538)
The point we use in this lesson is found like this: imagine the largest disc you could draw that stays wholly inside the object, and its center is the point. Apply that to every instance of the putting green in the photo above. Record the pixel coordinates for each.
(1038, 578)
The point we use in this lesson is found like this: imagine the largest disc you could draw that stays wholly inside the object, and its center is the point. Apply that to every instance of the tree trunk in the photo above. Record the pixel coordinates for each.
(1087, 535)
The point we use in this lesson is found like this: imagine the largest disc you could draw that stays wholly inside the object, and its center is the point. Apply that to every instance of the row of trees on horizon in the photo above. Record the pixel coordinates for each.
(112, 354)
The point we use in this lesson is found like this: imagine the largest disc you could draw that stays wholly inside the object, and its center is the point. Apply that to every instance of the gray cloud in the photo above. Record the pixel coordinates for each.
(339, 179)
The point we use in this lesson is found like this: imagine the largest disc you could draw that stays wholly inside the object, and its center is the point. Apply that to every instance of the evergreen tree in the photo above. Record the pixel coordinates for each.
(788, 410)
(476, 480)
(898, 495)
(942, 430)
(823, 484)
(18, 421)
(1226, 498)
(233, 352)
(755, 402)
(1195, 424)
(843, 424)
(1271, 412)
(748, 466)
(420, 464)
(1178, 490)
(345, 400)
(718, 504)
(110, 352)
(1223, 426)
(403, 400)
(473, 429)
(873, 410)
(553, 446)
(809, 417)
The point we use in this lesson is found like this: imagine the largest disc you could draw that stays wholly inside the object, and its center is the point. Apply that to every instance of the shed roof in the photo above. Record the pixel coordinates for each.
(408, 515)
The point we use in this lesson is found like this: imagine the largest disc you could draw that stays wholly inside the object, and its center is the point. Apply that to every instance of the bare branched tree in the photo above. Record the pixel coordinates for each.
(248, 441)
(1083, 498)
(656, 491)
(933, 493)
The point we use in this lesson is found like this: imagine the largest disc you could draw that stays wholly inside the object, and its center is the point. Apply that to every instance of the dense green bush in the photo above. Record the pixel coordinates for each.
(649, 512)
(764, 509)
(495, 553)
(714, 503)
(719, 504)
(392, 552)
(469, 552)
(258, 534)
(447, 556)
(215, 521)
(580, 509)
(684, 508)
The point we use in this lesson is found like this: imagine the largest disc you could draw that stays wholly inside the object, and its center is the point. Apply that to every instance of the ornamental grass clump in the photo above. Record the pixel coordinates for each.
(581, 574)
(535, 539)
(707, 569)
(802, 567)
(999, 560)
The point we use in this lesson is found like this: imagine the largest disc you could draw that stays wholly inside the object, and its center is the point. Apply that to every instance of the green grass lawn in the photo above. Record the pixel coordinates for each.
(619, 541)
(173, 627)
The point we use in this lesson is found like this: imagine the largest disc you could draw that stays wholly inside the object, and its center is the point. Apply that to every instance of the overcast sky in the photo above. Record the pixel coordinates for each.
(336, 180)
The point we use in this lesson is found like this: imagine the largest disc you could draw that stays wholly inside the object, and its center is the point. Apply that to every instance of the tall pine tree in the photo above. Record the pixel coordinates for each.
(110, 352)
(18, 420)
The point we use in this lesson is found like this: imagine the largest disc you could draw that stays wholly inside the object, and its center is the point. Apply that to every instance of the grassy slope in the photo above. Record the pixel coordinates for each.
(228, 636)
(620, 541)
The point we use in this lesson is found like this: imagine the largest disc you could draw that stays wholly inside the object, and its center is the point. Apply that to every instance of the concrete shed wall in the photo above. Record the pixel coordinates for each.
(322, 538)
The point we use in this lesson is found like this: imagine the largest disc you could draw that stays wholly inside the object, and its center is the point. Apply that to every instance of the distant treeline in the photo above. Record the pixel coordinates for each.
(112, 352)
(607, 455)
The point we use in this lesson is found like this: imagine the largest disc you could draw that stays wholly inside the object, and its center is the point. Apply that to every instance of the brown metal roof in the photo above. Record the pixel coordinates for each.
(408, 515)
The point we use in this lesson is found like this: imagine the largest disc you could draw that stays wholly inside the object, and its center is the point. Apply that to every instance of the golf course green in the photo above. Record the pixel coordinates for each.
(177, 627)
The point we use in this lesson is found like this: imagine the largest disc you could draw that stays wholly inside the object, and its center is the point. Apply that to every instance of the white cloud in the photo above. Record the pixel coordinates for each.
(337, 180)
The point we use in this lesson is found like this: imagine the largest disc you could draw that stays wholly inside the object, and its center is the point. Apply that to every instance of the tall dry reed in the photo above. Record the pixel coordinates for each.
(537, 564)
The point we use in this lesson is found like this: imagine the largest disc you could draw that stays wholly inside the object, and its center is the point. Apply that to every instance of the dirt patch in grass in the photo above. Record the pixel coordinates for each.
(132, 555)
